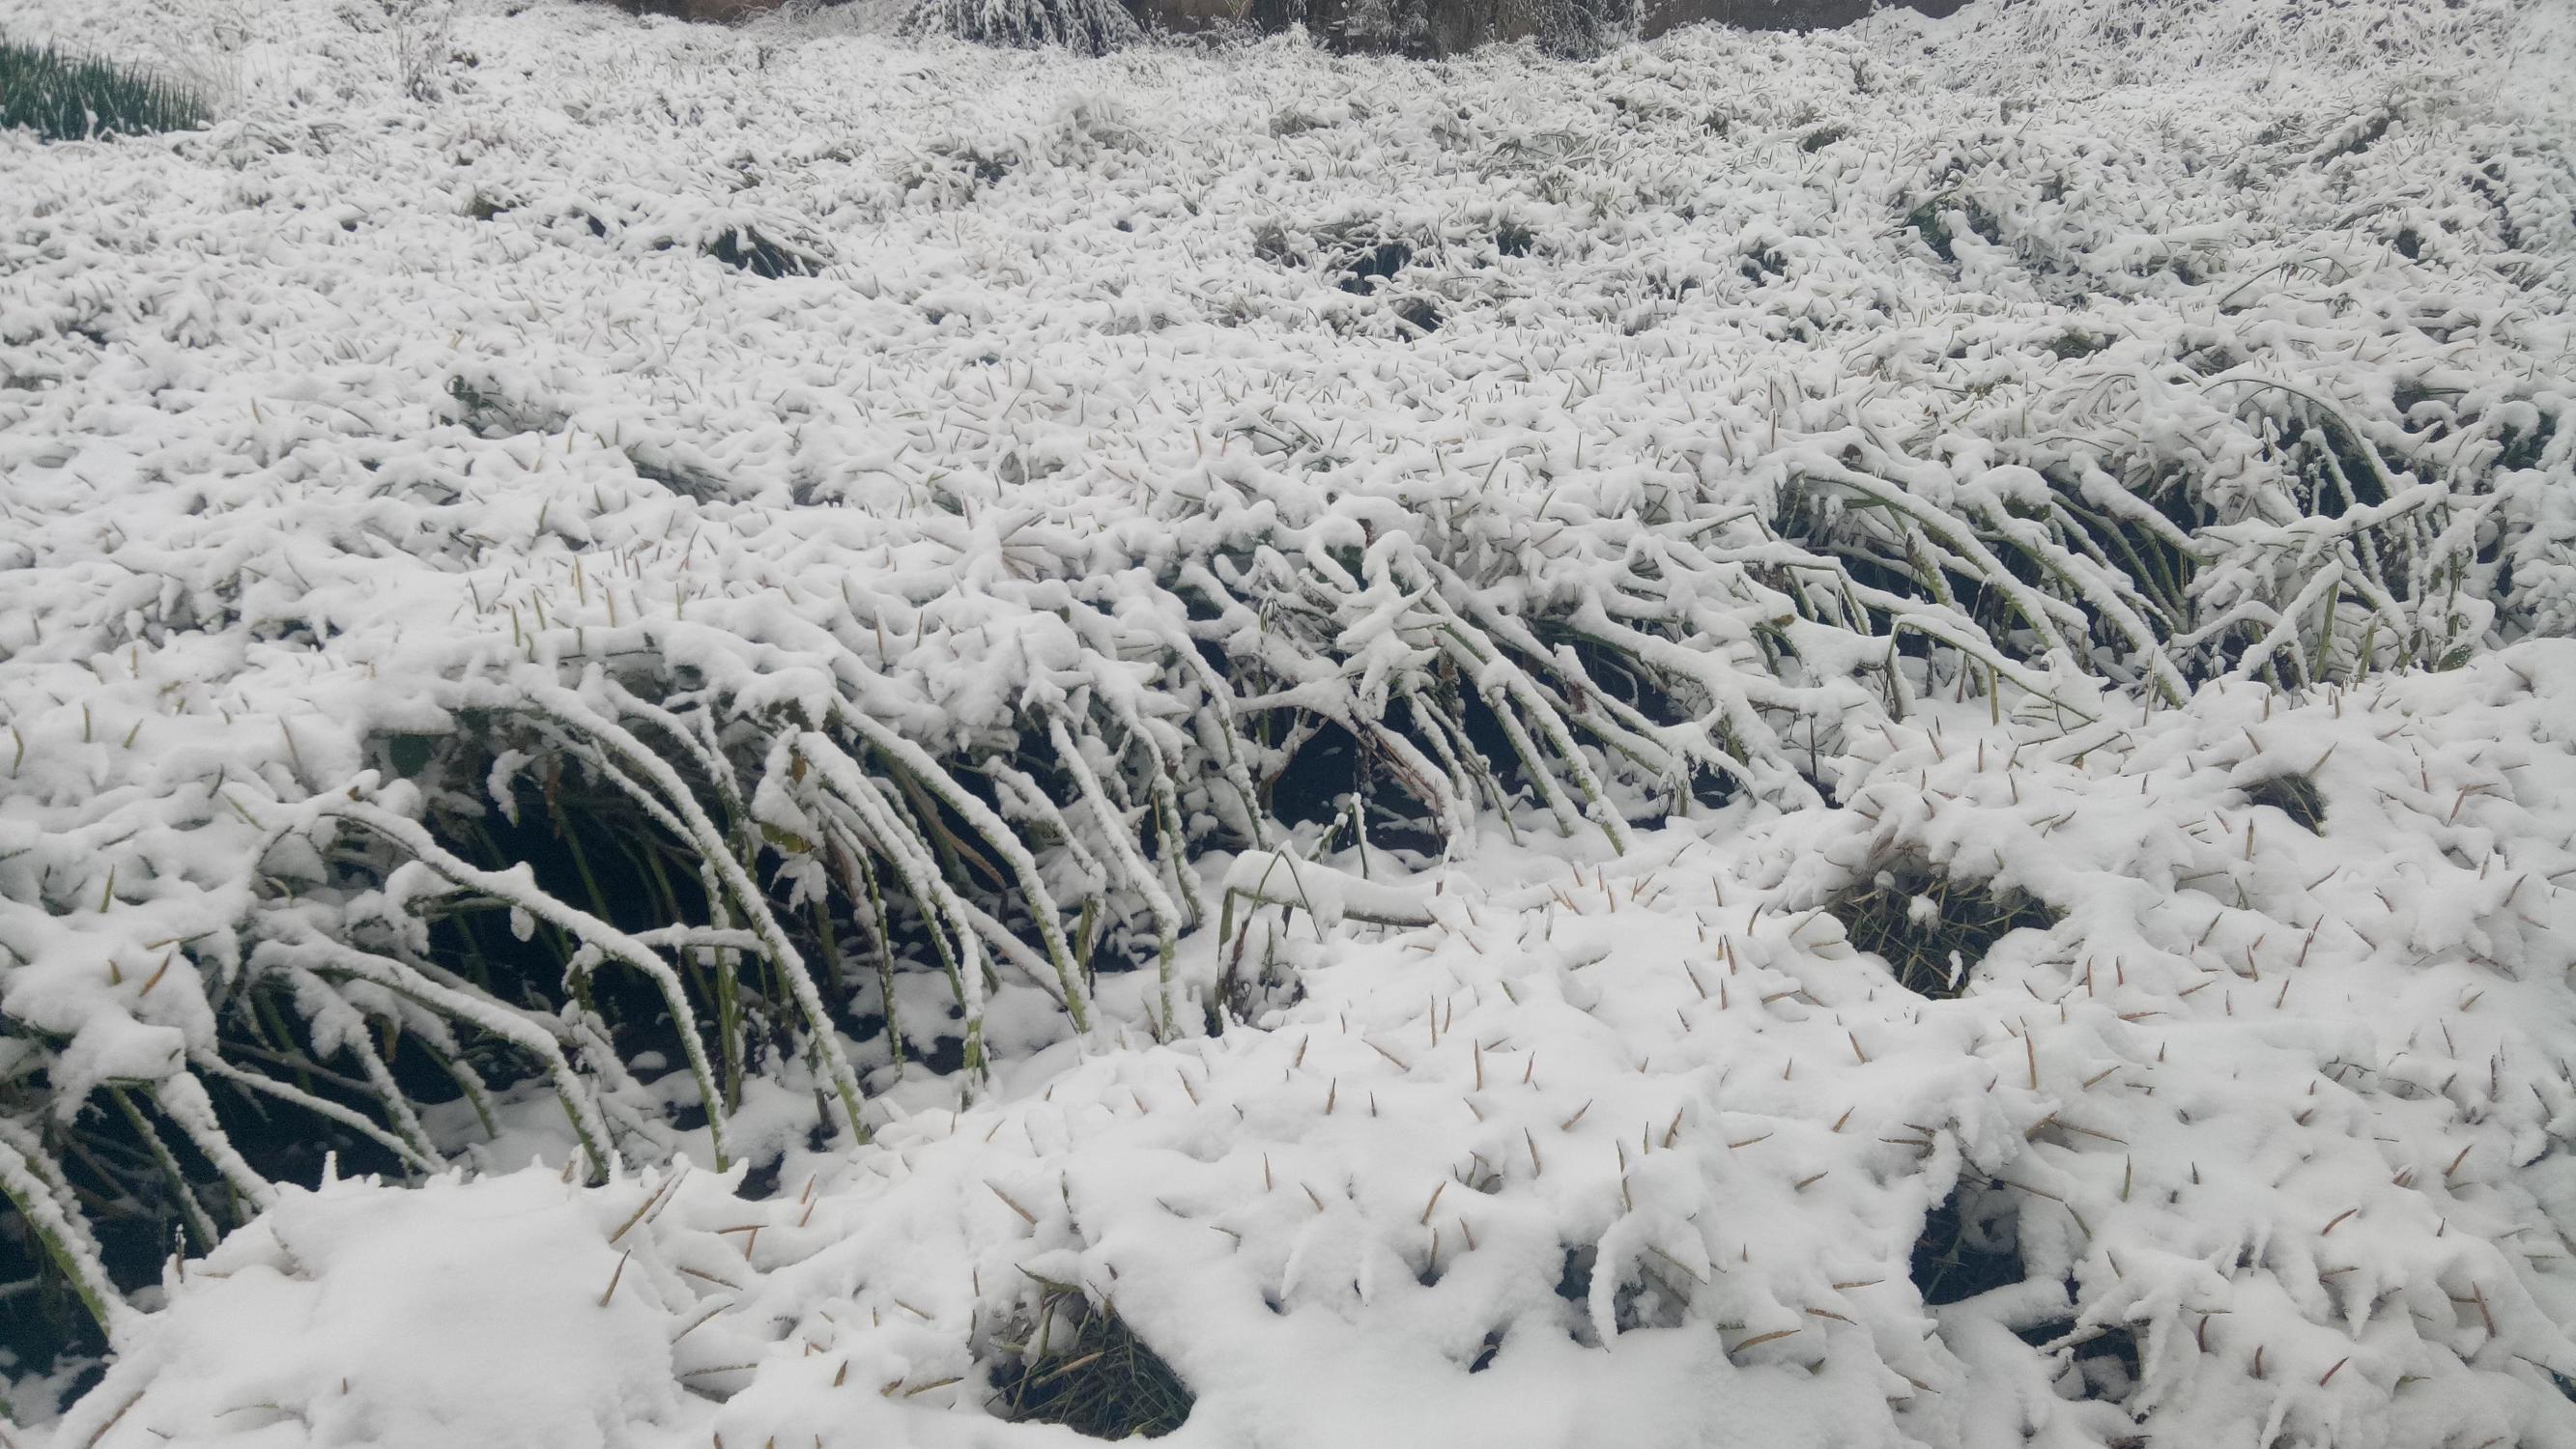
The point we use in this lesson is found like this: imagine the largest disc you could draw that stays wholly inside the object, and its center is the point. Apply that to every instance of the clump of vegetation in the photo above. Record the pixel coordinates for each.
(1078, 1364)
(76, 98)
(2294, 795)
(1967, 1246)
(1932, 927)
(1363, 254)
(1092, 27)
(763, 256)
(2074, 343)
(1931, 220)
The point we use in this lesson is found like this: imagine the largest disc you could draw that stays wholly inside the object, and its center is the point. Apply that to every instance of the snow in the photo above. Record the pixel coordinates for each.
(362, 416)
(310, 1322)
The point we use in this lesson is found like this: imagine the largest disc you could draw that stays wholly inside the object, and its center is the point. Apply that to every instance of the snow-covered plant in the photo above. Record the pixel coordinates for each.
(1926, 752)
(422, 34)
(1091, 27)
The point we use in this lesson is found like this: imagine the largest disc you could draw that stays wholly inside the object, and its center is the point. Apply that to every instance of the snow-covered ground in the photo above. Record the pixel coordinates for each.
(2107, 461)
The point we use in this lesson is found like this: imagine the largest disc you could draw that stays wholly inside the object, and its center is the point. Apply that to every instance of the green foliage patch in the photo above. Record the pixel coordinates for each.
(75, 98)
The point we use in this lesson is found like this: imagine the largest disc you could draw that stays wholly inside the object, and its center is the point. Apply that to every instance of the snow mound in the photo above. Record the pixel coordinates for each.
(457, 1313)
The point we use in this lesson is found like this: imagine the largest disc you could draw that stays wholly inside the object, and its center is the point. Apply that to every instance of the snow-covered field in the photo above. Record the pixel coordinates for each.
(1841, 741)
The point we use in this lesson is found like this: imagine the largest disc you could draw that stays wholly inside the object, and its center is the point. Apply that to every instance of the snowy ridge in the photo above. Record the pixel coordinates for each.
(1709, 487)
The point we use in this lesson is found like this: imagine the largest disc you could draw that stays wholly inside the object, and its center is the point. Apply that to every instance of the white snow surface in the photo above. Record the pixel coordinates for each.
(357, 413)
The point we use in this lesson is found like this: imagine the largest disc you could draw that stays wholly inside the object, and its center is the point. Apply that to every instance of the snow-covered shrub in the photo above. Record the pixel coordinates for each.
(1073, 742)
(1092, 27)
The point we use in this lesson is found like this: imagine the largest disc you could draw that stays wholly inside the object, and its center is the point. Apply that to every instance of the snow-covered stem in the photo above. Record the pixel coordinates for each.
(191, 1211)
(599, 940)
(1122, 844)
(918, 764)
(403, 1149)
(918, 869)
(714, 853)
(35, 1188)
(182, 1099)
(324, 956)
